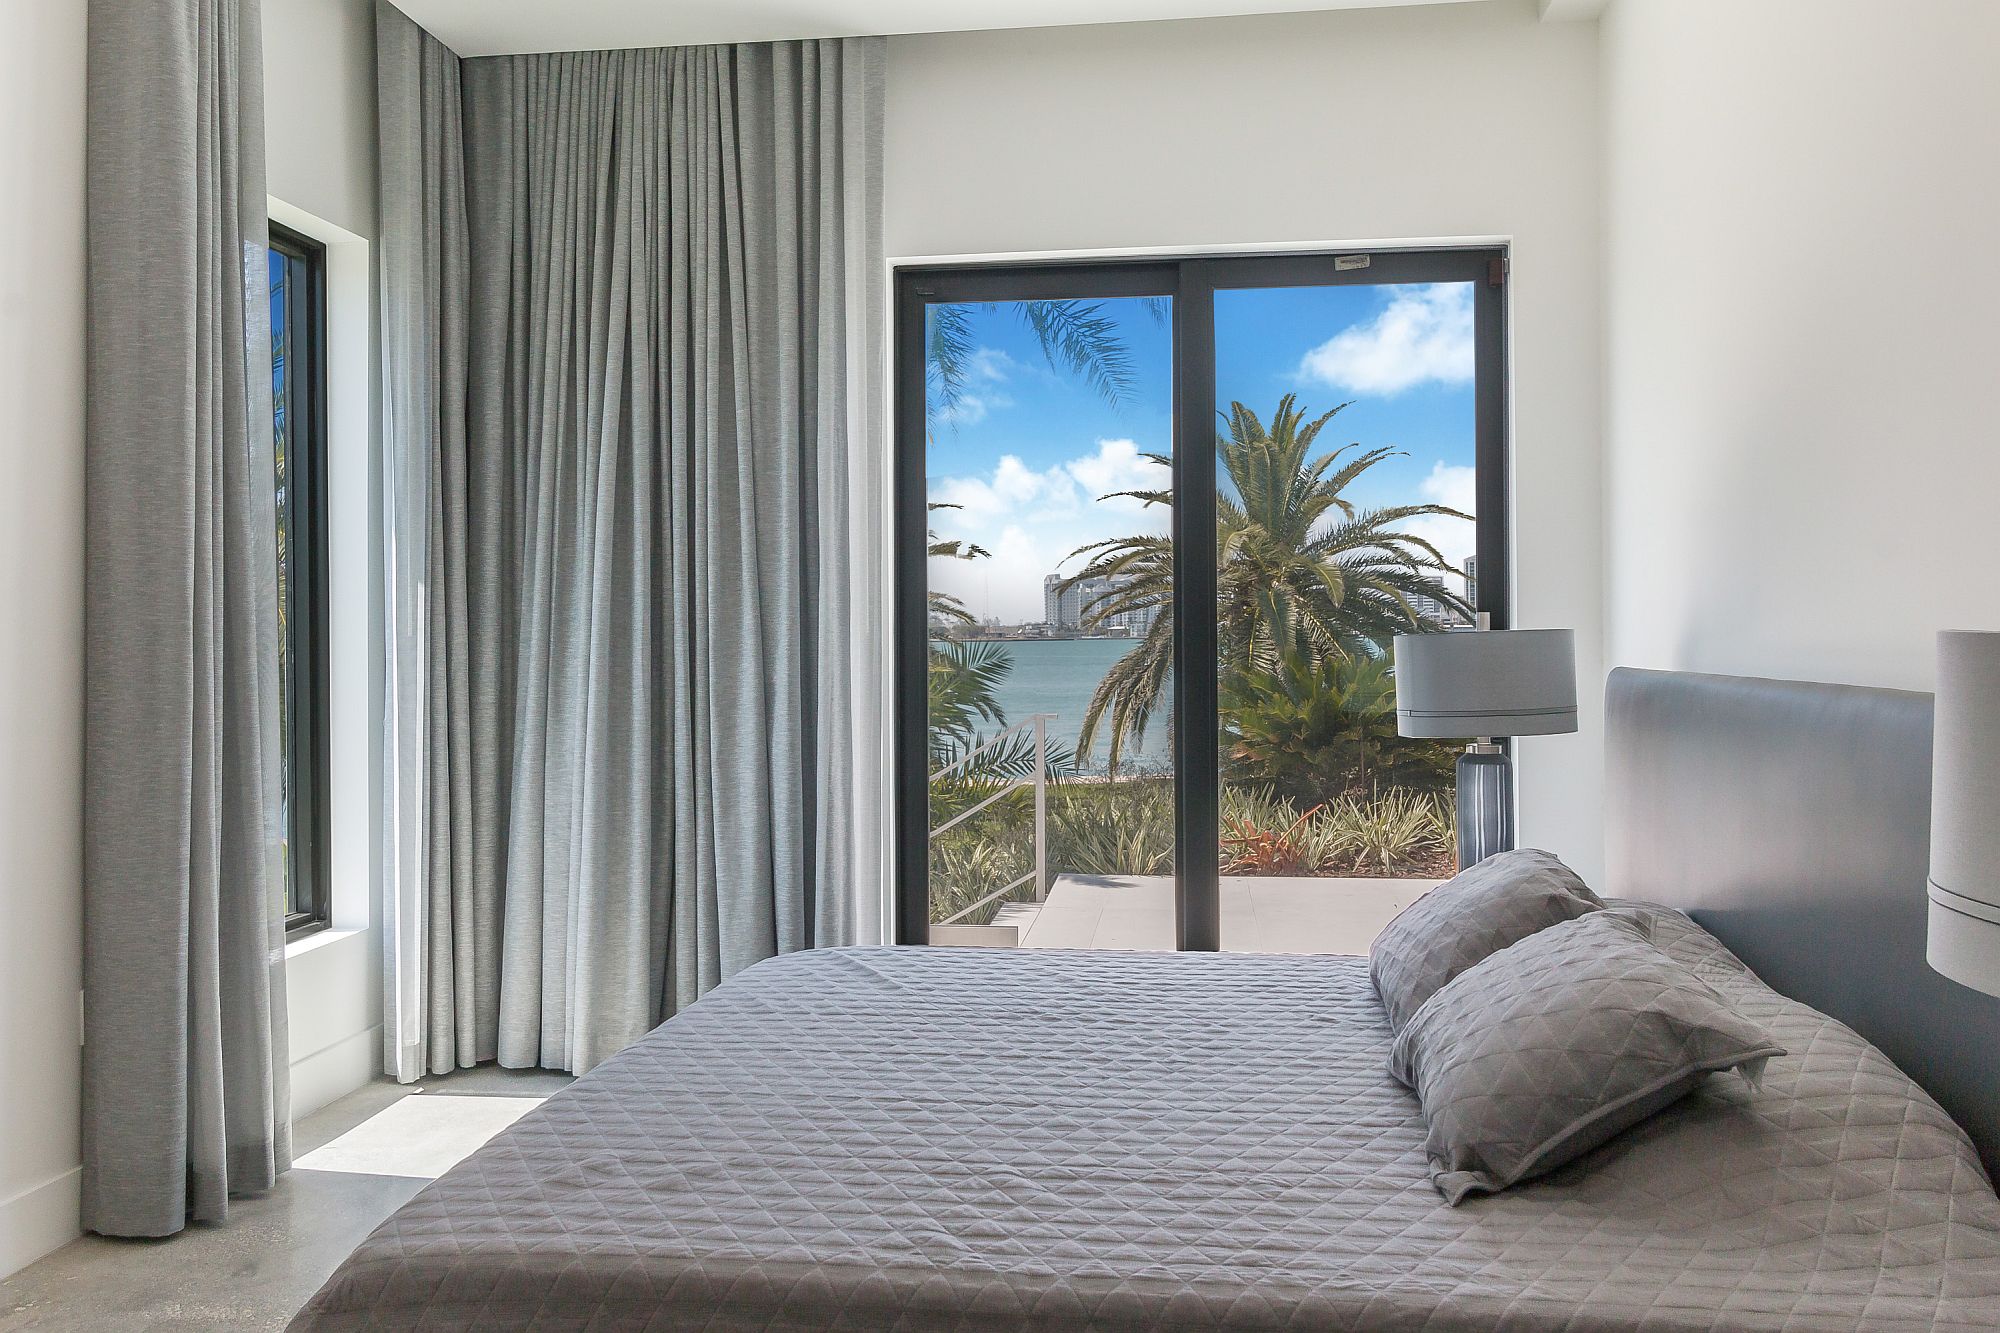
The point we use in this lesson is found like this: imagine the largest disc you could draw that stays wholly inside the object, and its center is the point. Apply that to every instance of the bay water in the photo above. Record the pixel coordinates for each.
(1058, 676)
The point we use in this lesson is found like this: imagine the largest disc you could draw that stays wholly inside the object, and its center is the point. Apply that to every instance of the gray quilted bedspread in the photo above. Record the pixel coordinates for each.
(1003, 1139)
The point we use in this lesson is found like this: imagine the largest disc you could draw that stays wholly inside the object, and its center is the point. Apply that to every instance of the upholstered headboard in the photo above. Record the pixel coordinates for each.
(1792, 820)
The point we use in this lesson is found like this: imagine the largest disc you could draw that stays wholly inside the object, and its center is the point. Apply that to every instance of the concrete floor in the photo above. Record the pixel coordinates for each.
(1260, 914)
(355, 1162)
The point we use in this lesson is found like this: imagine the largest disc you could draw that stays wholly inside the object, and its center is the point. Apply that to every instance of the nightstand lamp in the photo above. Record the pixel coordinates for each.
(1483, 684)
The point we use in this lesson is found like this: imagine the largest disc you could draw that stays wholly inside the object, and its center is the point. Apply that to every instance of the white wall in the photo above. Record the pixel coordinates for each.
(41, 619)
(1458, 121)
(321, 124)
(319, 108)
(1801, 344)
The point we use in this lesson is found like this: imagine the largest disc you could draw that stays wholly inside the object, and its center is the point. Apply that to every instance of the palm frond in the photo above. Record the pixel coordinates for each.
(1079, 337)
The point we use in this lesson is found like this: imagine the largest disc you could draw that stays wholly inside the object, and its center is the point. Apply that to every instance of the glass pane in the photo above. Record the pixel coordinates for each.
(1049, 429)
(280, 278)
(1345, 515)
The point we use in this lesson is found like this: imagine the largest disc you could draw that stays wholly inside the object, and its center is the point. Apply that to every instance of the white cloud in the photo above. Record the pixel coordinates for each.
(1119, 466)
(1031, 520)
(991, 364)
(1455, 488)
(1424, 335)
(980, 395)
(1451, 485)
(969, 409)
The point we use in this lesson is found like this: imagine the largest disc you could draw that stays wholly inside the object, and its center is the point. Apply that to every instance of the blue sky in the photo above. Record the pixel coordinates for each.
(1030, 448)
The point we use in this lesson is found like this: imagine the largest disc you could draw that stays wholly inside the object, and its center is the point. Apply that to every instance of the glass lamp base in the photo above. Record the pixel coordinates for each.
(1485, 795)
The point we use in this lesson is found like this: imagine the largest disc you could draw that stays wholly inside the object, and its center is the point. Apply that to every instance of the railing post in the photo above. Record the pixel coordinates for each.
(1041, 808)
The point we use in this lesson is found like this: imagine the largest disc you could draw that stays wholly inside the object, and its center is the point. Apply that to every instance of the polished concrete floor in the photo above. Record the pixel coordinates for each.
(356, 1162)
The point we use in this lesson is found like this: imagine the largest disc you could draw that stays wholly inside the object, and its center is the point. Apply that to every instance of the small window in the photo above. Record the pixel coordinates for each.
(298, 411)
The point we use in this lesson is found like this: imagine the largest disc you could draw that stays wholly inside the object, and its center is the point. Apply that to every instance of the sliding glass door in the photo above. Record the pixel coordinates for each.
(1156, 525)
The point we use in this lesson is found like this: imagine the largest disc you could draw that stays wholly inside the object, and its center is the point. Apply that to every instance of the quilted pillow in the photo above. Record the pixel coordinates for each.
(1505, 898)
(1556, 1044)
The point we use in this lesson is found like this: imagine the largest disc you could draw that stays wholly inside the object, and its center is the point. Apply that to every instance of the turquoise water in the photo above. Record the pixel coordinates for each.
(1057, 676)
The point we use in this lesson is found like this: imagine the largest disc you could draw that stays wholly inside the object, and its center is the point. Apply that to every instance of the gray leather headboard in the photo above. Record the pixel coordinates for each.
(1792, 820)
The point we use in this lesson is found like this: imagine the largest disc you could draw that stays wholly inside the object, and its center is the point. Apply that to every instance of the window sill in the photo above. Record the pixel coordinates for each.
(319, 939)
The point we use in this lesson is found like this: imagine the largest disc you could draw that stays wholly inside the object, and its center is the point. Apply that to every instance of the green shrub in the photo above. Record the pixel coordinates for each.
(1400, 832)
(1311, 731)
(1266, 834)
(972, 861)
(1127, 828)
(1396, 832)
(1112, 828)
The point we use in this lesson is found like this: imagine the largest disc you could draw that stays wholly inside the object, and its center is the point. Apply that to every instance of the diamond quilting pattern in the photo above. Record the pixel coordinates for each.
(928, 1139)
(1556, 1043)
(1475, 914)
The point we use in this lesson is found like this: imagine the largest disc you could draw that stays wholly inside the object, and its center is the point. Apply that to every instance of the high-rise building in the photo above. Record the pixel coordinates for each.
(1067, 608)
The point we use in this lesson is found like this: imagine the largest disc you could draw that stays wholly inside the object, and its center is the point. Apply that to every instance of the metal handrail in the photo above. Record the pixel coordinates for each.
(997, 893)
(992, 741)
(1040, 874)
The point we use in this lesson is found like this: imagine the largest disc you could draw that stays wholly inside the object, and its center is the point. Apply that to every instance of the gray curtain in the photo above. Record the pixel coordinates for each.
(185, 1093)
(648, 358)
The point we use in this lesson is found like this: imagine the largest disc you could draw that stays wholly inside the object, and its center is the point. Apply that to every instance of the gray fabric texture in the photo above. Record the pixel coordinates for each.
(185, 1094)
(992, 1139)
(1478, 912)
(1557, 1044)
(646, 368)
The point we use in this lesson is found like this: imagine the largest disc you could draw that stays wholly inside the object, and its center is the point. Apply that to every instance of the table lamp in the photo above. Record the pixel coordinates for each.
(1965, 811)
(1483, 684)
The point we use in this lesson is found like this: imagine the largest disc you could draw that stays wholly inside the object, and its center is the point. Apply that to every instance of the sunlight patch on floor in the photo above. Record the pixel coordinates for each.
(423, 1135)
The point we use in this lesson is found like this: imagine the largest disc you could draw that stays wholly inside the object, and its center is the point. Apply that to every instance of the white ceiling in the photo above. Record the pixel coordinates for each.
(502, 27)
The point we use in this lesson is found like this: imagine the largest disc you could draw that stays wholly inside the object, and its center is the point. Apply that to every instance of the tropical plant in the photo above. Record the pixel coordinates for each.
(1294, 725)
(964, 682)
(1394, 832)
(1311, 731)
(967, 867)
(1397, 832)
(1266, 834)
(1113, 828)
(1300, 567)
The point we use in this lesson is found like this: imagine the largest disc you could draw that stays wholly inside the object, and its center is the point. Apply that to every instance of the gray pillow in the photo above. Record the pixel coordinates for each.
(1558, 1043)
(1506, 897)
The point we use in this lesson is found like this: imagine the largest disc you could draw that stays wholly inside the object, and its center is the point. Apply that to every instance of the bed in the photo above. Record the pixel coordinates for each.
(993, 1139)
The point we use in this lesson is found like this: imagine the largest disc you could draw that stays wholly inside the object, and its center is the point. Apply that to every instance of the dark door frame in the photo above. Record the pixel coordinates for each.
(1192, 283)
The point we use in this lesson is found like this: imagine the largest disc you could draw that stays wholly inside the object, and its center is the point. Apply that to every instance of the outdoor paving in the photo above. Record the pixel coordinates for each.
(1260, 914)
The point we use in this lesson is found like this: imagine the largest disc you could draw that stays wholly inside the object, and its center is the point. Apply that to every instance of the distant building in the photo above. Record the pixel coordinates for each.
(1438, 611)
(1053, 601)
(1067, 608)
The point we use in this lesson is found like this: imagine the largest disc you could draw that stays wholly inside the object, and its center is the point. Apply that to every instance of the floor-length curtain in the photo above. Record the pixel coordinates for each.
(636, 654)
(185, 1093)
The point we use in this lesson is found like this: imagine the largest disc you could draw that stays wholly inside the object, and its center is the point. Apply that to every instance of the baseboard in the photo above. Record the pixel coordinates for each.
(40, 1219)
(327, 1075)
(43, 1217)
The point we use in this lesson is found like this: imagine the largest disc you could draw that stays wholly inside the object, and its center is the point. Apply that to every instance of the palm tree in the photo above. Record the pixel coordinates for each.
(964, 686)
(1300, 568)
(1290, 726)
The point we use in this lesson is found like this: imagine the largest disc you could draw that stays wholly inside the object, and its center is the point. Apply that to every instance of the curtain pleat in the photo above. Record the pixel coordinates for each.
(186, 1098)
(639, 676)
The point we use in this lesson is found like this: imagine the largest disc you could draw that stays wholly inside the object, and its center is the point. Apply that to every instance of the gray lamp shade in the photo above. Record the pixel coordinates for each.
(1495, 682)
(1965, 811)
